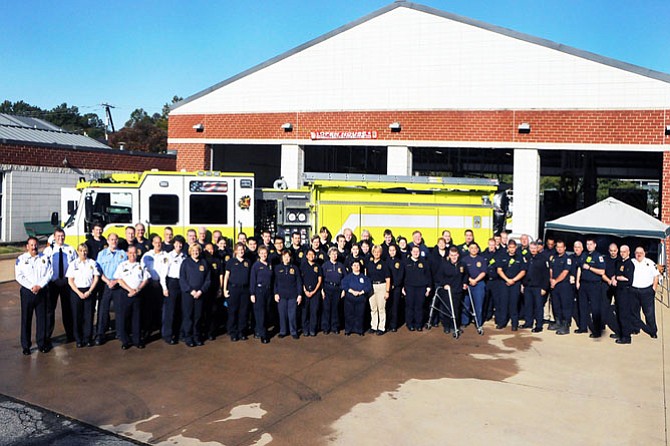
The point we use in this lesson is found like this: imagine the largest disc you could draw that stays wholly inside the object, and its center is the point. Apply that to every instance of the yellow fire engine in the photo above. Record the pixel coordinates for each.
(230, 203)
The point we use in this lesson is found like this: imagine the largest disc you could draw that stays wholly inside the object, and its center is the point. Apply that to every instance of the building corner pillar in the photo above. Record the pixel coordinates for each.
(399, 161)
(526, 187)
(292, 164)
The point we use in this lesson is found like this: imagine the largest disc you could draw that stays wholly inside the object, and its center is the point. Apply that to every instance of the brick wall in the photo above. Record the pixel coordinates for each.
(559, 126)
(665, 196)
(99, 159)
(192, 156)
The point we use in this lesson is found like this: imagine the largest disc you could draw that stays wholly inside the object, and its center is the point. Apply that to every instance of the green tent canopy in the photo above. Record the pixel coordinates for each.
(611, 217)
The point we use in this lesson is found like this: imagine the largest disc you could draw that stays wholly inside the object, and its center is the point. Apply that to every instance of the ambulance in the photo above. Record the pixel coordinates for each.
(231, 203)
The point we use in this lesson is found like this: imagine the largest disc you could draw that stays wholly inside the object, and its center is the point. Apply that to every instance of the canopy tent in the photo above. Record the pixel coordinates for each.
(611, 217)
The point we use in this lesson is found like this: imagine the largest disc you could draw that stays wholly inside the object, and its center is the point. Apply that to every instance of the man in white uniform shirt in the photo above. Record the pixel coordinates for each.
(61, 255)
(132, 277)
(33, 272)
(645, 281)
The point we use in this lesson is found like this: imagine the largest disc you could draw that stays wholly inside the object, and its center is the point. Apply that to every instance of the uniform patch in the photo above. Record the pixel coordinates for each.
(165, 260)
(601, 259)
(246, 264)
(492, 261)
(361, 280)
(291, 271)
(397, 265)
(201, 268)
(479, 264)
(213, 265)
(316, 269)
(300, 254)
(569, 262)
(461, 270)
(420, 265)
(511, 261)
(379, 266)
(588, 259)
(621, 269)
(339, 270)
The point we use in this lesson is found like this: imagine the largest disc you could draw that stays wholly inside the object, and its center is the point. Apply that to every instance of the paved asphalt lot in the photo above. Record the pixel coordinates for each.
(402, 388)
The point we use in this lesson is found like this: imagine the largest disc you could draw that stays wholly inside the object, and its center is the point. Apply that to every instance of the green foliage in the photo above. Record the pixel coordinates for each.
(64, 116)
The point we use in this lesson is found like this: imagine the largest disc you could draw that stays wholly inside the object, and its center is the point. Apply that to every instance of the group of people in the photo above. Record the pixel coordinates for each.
(188, 288)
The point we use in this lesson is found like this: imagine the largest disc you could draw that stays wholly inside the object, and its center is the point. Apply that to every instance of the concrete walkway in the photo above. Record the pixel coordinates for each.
(402, 388)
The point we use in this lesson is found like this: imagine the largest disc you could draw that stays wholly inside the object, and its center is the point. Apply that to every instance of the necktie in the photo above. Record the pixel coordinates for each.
(61, 265)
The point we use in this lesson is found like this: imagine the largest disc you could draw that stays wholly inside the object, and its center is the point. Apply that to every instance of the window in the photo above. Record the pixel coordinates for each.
(163, 209)
(209, 209)
(113, 207)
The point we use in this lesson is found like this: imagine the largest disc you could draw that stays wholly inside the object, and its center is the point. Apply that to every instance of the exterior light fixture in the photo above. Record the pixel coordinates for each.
(667, 130)
(199, 127)
(395, 126)
(524, 127)
(288, 127)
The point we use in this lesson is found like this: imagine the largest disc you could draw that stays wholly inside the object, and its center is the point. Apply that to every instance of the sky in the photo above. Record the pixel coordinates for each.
(139, 54)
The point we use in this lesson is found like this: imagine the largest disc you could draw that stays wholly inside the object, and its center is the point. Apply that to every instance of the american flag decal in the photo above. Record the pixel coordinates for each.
(209, 186)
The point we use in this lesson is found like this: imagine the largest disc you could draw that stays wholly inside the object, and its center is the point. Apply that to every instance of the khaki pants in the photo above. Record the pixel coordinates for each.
(378, 307)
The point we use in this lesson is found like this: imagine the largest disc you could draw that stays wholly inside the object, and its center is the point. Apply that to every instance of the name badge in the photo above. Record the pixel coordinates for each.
(361, 280)
(201, 268)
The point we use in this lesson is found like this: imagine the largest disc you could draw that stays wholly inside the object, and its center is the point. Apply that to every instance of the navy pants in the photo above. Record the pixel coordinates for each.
(288, 309)
(534, 306)
(82, 316)
(644, 298)
(508, 305)
(563, 298)
(59, 288)
(104, 306)
(415, 297)
(171, 306)
(128, 313)
(591, 295)
(260, 310)
(354, 313)
(624, 296)
(191, 317)
(393, 307)
(310, 313)
(238, 309)
(330, 318)
(37, 304)
(449, 323)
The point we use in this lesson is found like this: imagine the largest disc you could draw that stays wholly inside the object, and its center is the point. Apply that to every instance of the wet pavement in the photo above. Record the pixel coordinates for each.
(401, 388)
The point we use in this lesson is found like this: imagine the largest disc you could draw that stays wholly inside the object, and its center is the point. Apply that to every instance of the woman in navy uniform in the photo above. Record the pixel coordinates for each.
(260, 287)
(213, 306)
(417, 287)
(312, 280)
(512, 269)
(333, 273)
(357, 287)
(172, 292)
(397, 267)
(288, 295)
(451, 276)
(236, 290)
(194, 280)
(83, 276)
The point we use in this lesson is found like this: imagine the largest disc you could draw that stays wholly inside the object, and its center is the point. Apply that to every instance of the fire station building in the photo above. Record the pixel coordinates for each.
(411, 90)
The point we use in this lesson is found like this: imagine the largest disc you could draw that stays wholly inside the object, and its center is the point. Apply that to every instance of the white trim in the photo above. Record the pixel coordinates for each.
(447, 144)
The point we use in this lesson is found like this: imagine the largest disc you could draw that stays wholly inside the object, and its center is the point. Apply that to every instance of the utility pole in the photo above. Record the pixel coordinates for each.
(109, 123)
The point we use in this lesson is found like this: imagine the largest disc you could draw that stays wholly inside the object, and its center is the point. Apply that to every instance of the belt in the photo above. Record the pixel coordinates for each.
(641, 288)
(379, 282)
(333, 284)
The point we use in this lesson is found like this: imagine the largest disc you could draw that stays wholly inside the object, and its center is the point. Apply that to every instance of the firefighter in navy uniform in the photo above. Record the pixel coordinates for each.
(511, 270)
(194, 281)
(591, 288)
(213, 306)
(476, 280)
(356, 286)
(418, 280)
(260, 287)
(312, 280)
(397, 267)
(623, 281)
(296, 248)
(451, 276)
(33, 272)
(580, 314)
(609, 307)
(236, 290)
(561, 266)
(493, 281)
(333, 273)
(380, 275)
(288, 295)
(536, 286)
